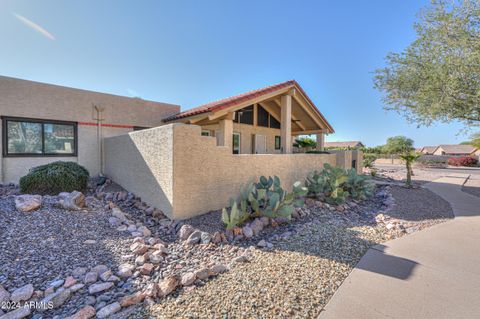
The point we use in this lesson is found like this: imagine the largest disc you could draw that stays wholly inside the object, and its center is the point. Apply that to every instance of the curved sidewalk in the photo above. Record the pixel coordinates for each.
(434, 273)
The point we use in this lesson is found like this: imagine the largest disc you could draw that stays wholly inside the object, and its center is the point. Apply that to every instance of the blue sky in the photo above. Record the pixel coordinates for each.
(192, 52)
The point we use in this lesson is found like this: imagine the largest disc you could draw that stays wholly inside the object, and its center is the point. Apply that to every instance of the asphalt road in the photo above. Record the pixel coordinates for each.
(459, 170)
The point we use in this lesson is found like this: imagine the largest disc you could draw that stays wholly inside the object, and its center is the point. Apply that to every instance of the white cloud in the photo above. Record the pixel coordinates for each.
(34, 26)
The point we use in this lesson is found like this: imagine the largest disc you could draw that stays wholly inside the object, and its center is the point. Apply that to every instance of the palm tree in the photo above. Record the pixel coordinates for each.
(409, 158)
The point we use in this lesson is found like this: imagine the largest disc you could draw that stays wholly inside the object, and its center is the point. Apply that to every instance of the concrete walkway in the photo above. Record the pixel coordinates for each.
(434, 273)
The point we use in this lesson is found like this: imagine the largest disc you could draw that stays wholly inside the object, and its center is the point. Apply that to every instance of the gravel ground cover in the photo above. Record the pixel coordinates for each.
(297, 277)
(291, 275)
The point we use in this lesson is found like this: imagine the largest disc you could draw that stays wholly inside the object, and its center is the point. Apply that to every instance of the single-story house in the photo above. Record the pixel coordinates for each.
(344, 145)
(428, 150)
(184, 163)
(42, 123)
(456, 150)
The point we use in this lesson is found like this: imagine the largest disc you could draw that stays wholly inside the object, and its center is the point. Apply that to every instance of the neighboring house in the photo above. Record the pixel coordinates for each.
(455, 150)
(262, 121)
(428, 150)
(42, 123)
(344, 145)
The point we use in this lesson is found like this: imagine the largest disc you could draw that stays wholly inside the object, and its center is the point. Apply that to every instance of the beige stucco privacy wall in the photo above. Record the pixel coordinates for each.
(27, 99)
(189, 175)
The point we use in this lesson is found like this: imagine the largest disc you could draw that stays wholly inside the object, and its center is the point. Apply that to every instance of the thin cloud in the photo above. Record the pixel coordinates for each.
(34, 26)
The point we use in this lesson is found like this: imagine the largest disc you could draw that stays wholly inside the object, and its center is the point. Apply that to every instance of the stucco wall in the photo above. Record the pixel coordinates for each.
(185, 174)
(21, 98)
(142, 162)
(247, 131)
(206, 176)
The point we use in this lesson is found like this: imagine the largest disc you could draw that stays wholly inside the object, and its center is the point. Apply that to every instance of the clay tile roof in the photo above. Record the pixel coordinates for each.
(458, 149)
(229, 101)
(344, 144)
(237, 99)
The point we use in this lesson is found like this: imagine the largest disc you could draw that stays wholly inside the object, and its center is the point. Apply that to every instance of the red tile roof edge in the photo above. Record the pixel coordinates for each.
(227, 102)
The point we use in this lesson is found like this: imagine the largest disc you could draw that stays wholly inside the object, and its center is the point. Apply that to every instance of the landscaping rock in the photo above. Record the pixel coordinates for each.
(96, 288)
(247, 232)
(86, 312)
(19, 313)
(58, 298)
(155, 257)
(125, 270)
(100, 269)
(146, 269)
(262, 243)
(69, 282)
(194, 238)
(185, 232)
(90, 277)
(109, 310)
(28, 203)
(205, 238)
(167, 286)
(219, 269)
(4, 295)
(22, 294)
(145, 231)
(76, 287)
(257, 226)
(116, 212)
(72, 201)
(188, 279)
(132, 299)
(202, 274)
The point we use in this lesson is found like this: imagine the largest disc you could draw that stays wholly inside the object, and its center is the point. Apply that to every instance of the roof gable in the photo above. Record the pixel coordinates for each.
(244, 98)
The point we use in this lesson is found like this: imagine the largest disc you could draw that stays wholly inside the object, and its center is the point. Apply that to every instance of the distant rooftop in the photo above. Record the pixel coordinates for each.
(351, 144)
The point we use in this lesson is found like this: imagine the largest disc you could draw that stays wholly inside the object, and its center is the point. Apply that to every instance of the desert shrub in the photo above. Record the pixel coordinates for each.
(463, 161)
(328, 183)
(368, 160)
(266, 198)
(54, 178)
(358, 186)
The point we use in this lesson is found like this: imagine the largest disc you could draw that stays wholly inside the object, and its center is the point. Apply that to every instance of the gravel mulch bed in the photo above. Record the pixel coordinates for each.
(297, 277)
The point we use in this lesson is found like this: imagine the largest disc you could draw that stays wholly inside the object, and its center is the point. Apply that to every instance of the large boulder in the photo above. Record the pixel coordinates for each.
(28, 203)
(71, 201)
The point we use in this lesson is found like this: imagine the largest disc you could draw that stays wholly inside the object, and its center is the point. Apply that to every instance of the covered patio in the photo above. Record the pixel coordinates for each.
(263, 121)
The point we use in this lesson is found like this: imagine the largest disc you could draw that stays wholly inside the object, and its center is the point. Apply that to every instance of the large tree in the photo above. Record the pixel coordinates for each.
(437, 77)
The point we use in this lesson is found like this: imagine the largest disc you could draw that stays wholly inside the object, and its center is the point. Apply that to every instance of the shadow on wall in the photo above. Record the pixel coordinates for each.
(141, 163)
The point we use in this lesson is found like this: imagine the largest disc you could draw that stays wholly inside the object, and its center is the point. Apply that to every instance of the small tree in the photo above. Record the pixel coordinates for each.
(409, 158)
(306, 142)
(398, 145)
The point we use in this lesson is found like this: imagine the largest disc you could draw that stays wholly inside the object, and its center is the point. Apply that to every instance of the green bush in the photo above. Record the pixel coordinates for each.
(54, 178)
(368, 160)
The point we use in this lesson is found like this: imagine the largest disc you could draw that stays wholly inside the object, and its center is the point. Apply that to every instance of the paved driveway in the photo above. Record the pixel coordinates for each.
(434, 273)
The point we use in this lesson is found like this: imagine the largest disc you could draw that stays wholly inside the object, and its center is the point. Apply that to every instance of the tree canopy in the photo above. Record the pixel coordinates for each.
(398, 144)
(437, 77)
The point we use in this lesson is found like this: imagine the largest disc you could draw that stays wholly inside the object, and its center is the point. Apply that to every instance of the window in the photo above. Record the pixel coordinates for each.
(278, 142)
(274, 123)
(245, 115)
(236, 143)
(33, 137)
(262, 116)
(205, 133)
(140, 128)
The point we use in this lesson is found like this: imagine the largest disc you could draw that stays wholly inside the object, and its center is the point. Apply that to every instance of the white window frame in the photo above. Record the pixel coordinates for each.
(239, 142)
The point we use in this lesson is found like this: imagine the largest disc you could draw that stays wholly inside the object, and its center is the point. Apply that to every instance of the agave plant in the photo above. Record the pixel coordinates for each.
(237, 216)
